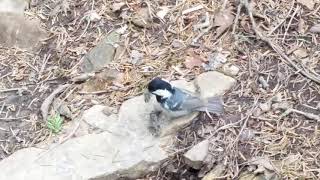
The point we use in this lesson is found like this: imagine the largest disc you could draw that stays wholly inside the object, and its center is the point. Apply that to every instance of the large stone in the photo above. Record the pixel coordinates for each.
(197, 154)
(125, 148)
(213, 84)
(13, 6)
(96, 117)
(102, 54)
(215, 173)
(17, 31)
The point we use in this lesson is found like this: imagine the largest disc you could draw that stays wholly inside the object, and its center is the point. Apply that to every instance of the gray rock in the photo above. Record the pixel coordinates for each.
(126, 147)
(197, 154)
(216, 60)
(17, 31)
(136, 57)
(97, 118)
(13, 6)
(61, 107)
(142, 18)
(215, 173)
(214, 83)
(117, 6)
(102, 54)
(230, 69)
(185, 85)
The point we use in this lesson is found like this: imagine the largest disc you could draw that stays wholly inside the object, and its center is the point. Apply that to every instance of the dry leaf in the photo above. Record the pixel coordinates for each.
(117, 6)
(142, 18)
(315, 28)
(93, 16)
(223, 20)
(163, 12)
(302, 26)
(245, 24)
(308, 3)
(300, 53)
(193, 61)
(263, 161)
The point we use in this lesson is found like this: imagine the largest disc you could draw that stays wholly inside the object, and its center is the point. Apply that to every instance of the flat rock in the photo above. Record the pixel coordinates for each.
(125, 148)
(17, 31)
(197, 154)
(215, 173)
(13, 6)
(214, 83)
(184, 84)
(102, 54)
(98, 118)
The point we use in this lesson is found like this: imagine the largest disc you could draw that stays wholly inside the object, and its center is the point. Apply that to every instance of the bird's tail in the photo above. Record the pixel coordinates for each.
(214, 105)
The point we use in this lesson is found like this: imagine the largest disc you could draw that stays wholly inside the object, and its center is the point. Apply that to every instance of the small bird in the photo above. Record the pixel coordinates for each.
(179, 102)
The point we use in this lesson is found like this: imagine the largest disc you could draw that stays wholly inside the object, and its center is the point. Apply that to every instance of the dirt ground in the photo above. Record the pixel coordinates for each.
(272, 112)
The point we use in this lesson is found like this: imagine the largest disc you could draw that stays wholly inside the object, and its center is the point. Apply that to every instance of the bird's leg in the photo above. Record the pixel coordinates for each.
(208, 113)
(154, 123)
(147, 96)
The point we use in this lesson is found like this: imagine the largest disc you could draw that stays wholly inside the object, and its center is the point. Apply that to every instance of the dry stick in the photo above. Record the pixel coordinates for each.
(237, 18)
(46, 103)
(224, 5)
(255, 106)
(284, 20)
(13, 118)
(307, 115)
(290, 21)
(276, 47)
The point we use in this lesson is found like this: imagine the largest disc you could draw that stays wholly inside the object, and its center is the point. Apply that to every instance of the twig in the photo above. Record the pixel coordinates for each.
(284, 20)
(290, 21)
(44, 63)
(235, 23)
(224, 5)
(13, 118)
(307, 115)
(94, 92)
(12, 89)
(277, 49)
(46, 103)
(195, 8)
(255, 106)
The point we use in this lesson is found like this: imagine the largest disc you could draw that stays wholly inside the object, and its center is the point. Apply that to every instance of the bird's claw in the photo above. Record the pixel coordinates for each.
(147, 96)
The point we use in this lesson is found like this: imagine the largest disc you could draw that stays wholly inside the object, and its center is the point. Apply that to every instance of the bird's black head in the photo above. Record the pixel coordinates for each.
(160, 88)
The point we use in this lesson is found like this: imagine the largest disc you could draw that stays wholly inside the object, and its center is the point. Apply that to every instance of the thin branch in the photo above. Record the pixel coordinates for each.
(277, 48)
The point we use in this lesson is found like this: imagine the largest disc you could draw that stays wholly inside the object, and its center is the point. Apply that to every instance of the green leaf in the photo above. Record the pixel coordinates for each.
(54, 123)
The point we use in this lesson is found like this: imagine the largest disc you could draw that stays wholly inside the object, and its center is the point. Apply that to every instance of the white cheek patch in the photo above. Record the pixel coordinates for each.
(163, 93)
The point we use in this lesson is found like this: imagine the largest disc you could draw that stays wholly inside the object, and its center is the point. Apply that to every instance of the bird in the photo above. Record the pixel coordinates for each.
(177, 102)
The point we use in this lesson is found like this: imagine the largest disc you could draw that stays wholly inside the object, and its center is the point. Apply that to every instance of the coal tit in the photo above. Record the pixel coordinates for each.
(178, 102)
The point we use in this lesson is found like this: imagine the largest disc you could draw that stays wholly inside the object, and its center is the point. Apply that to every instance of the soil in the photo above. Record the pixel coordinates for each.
(26, 79)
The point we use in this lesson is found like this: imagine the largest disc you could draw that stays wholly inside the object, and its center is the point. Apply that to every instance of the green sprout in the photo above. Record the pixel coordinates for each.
(55, 123)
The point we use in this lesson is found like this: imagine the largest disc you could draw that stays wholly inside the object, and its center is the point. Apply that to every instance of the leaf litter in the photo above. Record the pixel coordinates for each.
(286, 132)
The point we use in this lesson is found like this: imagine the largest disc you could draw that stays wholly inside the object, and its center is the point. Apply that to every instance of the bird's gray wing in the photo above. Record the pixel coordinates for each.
(187, 101)
(192, 103)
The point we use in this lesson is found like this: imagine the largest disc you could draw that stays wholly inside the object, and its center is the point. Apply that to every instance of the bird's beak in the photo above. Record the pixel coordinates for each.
(147, 96)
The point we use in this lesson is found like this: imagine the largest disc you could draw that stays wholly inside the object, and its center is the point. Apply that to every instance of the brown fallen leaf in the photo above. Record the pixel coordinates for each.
(102, 80)
(193, 61)
(263, 161)
(142, 18)
(302, 27)
(315, 28)
(117, 6)
(308, 3)
(223, 20)
(300, 53)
